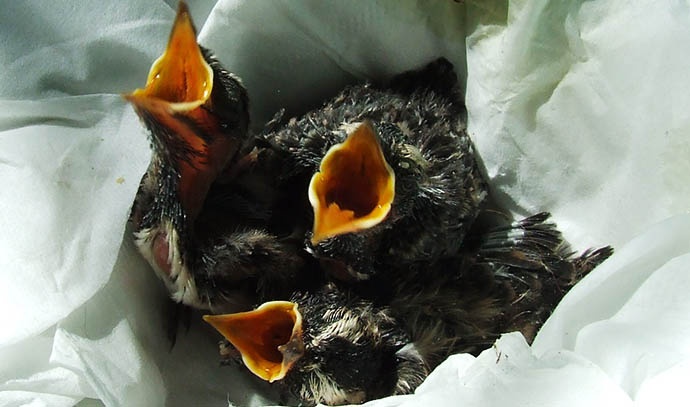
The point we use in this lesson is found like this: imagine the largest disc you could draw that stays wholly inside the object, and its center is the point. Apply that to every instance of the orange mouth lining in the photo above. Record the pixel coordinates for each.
(181, 75)
(269, 338)
(354, 188)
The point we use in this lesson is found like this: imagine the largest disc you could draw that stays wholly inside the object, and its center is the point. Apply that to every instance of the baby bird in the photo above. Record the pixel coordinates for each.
(391, 172)
(325, 346)
(193, 223)
(531, 261)
(337, 346)
(509, 276)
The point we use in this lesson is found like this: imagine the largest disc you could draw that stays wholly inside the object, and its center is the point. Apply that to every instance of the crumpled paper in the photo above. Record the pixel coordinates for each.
(579, 108)
(296, 54)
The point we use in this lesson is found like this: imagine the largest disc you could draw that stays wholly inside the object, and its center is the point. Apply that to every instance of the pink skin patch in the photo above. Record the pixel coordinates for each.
(160, 252)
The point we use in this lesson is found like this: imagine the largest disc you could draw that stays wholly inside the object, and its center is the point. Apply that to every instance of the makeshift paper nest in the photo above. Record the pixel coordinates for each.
(407, 261)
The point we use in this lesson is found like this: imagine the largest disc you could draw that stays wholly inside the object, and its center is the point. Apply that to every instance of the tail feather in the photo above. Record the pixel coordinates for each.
(536, 245)
(533, 259)
(592, 258)
(510, 277)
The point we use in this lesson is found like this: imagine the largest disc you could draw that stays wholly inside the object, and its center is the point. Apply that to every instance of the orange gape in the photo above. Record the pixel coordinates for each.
(178, 87)
(354, 188)
(180, 75)
(266, 337)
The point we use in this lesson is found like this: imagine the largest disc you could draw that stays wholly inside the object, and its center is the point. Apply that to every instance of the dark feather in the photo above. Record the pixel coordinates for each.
(421, 127)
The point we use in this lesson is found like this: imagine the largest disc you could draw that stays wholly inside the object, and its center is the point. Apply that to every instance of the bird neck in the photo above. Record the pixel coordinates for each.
(158, 199)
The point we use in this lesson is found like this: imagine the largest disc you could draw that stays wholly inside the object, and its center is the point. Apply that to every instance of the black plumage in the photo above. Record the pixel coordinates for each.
(411, 265)
(342, 348)
(509, 276)
(354, 351)
(383, 336)
(420, 125)
(196, 221)
(532, 261)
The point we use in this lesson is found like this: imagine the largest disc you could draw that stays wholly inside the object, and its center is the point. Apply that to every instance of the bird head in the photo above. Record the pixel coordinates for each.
(354, 187)
(324, 346)
(195, 111)
(351, 195)
(269, 338)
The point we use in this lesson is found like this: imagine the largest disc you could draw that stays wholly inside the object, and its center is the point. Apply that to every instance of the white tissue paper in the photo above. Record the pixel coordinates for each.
(579, 108)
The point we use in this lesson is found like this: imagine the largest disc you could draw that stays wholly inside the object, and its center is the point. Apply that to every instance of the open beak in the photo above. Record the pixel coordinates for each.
(355, 186)
(180, 77)
(269, 338)
(176, 106)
